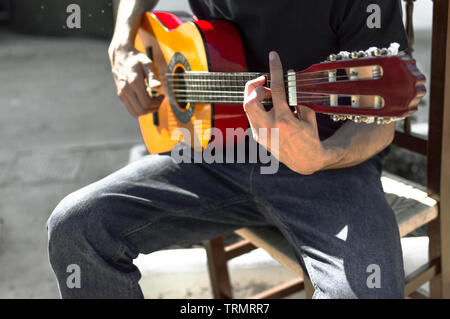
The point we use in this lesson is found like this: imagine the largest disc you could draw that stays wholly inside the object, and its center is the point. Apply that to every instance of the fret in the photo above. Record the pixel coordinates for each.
(213, 87)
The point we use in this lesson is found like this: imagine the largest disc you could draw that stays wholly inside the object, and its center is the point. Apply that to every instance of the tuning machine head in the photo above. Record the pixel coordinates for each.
(338, 117)
(332, 58)
(373, 51)
(364, 118)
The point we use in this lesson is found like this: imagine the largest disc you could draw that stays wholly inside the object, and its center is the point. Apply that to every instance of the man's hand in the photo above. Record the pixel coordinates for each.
(299, 145)
(133, 72)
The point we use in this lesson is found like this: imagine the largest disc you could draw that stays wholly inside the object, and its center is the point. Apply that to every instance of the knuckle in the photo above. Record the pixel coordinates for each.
(134, 79)
(121, 93)
(247, 87)
(283, 121)
(260, 92)
(277, 89)
(248, 102)
(151, 105)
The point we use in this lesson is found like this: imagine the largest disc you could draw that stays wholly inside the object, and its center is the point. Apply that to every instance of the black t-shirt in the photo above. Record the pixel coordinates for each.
(305, 32)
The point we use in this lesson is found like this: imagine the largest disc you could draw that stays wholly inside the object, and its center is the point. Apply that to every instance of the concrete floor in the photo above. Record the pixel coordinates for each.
(61, 127)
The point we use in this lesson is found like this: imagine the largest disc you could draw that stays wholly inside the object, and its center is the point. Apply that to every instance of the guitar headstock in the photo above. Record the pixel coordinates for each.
(376, 85)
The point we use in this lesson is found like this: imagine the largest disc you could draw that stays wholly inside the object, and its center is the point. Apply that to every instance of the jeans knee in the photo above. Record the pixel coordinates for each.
(66, 226)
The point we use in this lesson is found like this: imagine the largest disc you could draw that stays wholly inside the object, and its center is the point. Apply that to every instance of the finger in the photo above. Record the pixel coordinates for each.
(150, 78)
(253, 102)
(145, 61)
(276, 78)
(149, 71)
(307, 114)
(277, 87)
(262, 93)
(123, 90)
(134, 102)
(253, 84)
(255, 111)
(140, 89)
(156, 103)
(128, 105)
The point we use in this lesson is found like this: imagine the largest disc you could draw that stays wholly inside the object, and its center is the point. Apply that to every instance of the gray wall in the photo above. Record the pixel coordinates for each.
(48, 17)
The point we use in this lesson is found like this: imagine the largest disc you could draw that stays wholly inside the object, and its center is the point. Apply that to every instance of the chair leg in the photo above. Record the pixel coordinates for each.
(218, 269)
(309, 288)
(434, 251)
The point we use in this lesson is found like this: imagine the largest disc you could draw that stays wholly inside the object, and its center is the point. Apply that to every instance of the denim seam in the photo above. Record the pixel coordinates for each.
(251, 179)
(310, 269)
(213, 207)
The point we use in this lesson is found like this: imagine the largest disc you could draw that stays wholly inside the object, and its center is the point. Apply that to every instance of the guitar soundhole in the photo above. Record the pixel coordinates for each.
(180, 86)
(178, 93)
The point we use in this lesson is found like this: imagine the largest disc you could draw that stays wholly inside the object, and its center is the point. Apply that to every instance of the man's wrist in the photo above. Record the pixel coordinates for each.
(332, 155)
(119, 44)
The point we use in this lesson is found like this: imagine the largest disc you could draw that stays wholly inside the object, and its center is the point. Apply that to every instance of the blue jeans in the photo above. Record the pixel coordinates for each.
(337, 221)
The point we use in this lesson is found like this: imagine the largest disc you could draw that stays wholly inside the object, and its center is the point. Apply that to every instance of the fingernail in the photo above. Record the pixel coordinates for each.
(154, 83)
(272, 56)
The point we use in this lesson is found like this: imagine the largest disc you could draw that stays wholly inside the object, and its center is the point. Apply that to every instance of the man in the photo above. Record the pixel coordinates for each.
(326, 197)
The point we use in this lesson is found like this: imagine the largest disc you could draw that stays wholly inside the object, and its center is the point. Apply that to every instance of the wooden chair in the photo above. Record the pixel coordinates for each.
(413, 204)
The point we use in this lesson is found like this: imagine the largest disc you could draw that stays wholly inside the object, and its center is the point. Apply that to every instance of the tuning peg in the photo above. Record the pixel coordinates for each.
(332, 57)
(384, 120)
(354, 55)
(356, 119)
(384, 51)
(388, 120)
(393, 48)
(338, 117)
(344, 55)
(367, 119)
(362, 54)
(376, 52)
(335, 117)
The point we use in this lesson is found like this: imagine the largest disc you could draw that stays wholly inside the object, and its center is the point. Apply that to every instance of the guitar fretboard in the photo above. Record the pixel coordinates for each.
(211, 87)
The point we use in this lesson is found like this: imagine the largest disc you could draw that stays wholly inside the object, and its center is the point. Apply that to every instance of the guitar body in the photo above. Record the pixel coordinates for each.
(177, 46)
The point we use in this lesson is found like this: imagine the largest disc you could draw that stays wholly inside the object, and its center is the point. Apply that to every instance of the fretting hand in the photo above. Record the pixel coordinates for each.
(299, 146)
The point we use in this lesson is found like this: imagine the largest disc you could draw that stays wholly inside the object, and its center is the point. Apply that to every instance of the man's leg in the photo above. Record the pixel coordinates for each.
(144, 207)
(341, 227)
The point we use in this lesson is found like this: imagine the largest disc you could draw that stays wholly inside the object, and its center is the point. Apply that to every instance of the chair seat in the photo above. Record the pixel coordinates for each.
(409, 201)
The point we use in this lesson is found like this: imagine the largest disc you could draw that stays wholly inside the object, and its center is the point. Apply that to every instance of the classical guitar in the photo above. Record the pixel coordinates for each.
(202, 69)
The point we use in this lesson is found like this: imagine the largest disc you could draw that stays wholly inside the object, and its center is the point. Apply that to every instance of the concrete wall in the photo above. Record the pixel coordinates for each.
(48, 17)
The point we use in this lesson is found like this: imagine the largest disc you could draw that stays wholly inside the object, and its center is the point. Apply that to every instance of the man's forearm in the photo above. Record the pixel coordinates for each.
(353, 143)
(128, 18)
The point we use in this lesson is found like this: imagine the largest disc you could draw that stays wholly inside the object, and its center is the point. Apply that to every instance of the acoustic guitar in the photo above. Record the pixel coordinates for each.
(202, 69)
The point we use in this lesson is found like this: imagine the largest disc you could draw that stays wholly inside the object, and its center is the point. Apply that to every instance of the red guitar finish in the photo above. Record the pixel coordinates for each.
(401, 89)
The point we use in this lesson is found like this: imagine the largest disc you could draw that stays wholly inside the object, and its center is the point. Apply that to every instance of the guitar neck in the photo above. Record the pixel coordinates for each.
(211, 87)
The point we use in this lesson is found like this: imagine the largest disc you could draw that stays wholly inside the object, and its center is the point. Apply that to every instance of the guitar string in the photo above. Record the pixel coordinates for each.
(197, 93)
(298, 85)
(239, 102)
(184, 80)
(174, 79)
(250, 74)
(211, 75)
(194, 91)
(235, 96)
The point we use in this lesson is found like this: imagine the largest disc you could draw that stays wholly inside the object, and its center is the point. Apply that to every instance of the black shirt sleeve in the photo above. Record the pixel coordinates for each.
(352, 30)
